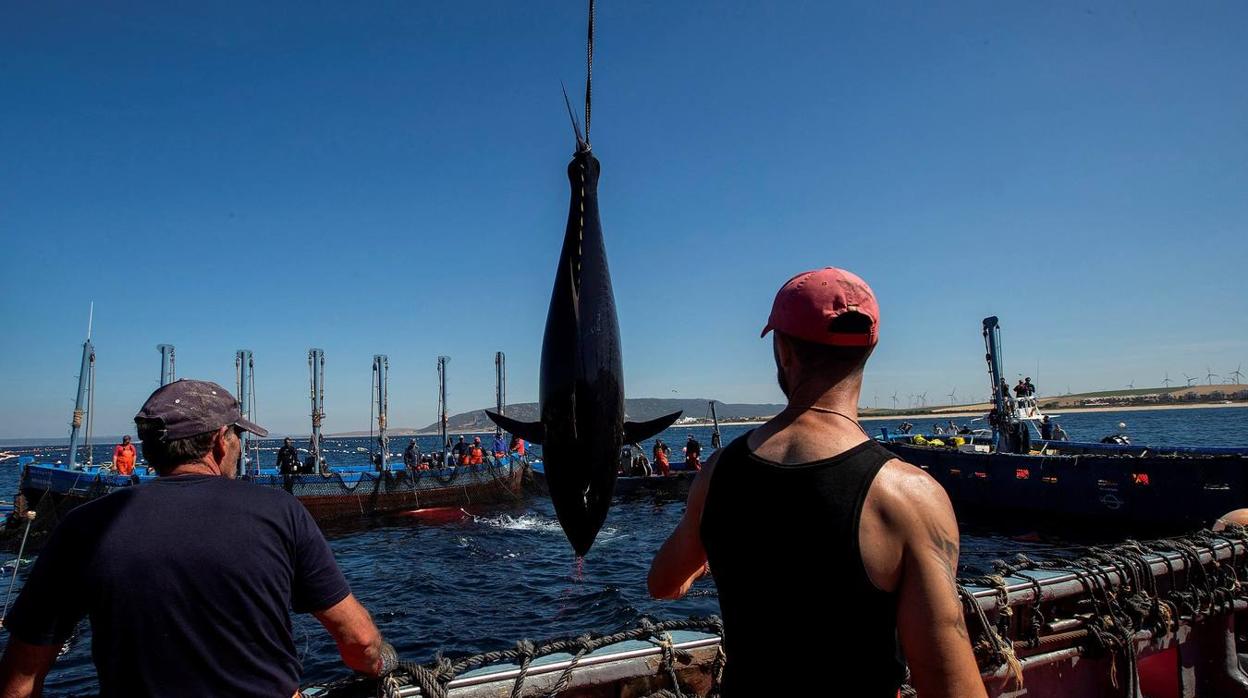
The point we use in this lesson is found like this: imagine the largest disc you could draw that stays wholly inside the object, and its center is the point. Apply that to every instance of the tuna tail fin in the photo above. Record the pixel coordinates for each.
(533, 432)
(635, 432)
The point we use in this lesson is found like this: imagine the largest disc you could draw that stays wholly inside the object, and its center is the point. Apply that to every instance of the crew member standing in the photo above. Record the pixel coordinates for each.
(809, 502)
(660, 457)
(123, 457)
(287, 458)
(693, 454)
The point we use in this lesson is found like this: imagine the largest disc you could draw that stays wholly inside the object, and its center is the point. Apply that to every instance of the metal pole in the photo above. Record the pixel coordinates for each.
(442, 403)
(166, 364)
(499, 399)
(992, 344)
(242, 371)
(381, 384)
(715, 438)
(75, 425)
(316, 366)
(88, 443)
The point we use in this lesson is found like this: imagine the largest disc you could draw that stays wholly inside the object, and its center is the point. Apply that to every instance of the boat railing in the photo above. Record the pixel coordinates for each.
(1116, 616)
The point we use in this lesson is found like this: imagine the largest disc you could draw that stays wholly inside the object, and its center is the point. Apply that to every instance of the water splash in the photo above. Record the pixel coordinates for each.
(524, 522)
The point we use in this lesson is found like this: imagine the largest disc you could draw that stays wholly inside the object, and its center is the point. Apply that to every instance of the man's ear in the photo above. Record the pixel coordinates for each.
(219, 443)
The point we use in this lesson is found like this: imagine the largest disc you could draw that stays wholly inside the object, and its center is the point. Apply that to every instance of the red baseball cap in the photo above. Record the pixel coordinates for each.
(808, 303)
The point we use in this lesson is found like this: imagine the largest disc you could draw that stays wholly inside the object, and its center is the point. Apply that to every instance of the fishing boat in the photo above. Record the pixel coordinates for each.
(336, 493)
(1010, 476)
(674, 485)
(1152, 619)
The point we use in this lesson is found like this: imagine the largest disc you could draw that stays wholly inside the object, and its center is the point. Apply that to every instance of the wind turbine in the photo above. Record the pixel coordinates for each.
(1131, 385)
(1237, 375)
(894, 399)
(1166, 381)
(910, 400)
(1190, 380)
(1210, 375)
(923, 399)
(952, 394)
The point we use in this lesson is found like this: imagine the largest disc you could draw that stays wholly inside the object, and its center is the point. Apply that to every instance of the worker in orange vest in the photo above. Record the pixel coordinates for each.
(476, 453)
(123, 456)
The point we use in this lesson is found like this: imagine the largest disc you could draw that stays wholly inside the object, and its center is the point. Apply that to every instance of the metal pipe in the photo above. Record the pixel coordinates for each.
(316, 369)
(243, 374)
(75, 425)
(715, 438)
(88, 443)
(442, 360)
(992, 341)
(166, 364)
(500, 382)
(381, 398)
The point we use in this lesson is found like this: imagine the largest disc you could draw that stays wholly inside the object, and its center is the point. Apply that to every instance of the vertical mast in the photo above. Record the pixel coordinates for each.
(84, 378)
(166, 364)
(1000, 399)
(500, 382)
(316, 369)
(715, 439)
(243, 374)
(442, 403)
(381, 399)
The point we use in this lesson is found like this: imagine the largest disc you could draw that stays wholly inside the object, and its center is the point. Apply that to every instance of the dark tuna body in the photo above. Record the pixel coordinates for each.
(582, 391)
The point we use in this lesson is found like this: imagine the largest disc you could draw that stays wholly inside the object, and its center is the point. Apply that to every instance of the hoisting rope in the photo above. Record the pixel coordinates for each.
(17, 563)
(589, 70)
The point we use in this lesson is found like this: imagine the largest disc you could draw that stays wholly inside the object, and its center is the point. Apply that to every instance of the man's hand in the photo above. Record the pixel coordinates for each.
(359, 641)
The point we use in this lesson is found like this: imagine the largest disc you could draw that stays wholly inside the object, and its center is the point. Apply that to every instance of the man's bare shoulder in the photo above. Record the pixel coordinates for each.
(903, 493)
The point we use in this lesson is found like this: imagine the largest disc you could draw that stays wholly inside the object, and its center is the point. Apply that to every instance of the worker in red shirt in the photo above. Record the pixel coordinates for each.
(123, 456)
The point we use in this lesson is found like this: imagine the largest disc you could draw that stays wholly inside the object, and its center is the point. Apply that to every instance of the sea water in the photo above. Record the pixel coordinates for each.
(486, 580)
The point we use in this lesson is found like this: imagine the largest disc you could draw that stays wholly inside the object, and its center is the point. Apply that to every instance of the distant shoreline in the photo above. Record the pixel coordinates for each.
(53, 441)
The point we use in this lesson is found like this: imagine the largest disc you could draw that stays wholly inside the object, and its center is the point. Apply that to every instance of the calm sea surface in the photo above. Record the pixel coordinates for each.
(484, 582)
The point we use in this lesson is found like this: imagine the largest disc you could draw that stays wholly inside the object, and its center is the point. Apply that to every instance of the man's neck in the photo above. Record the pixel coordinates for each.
(199, 467)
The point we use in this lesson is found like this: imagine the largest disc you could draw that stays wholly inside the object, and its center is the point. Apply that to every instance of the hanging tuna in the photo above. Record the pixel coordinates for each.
(581, 395)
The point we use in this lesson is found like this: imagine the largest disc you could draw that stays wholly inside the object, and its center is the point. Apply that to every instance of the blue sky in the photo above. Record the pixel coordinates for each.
(389, 178)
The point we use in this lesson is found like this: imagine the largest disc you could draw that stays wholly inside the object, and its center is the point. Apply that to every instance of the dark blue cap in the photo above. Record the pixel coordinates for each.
(189, 407)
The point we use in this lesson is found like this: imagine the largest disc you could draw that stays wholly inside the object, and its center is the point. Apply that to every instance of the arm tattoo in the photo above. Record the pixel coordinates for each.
(947, 549)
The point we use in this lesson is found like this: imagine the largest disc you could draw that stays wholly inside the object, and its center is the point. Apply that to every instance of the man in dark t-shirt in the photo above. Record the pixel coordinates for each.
(693, 454)
(287, 458)
(188, 581)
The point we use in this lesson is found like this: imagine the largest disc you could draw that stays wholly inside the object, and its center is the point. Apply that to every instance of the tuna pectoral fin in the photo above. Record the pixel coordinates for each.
(533, 432)
(635, 432)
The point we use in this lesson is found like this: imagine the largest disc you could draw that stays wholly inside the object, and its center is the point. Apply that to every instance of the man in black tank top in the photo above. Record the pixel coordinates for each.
(834, 561)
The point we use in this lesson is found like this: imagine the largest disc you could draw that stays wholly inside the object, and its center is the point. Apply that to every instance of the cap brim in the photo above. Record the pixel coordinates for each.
(251, 427)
